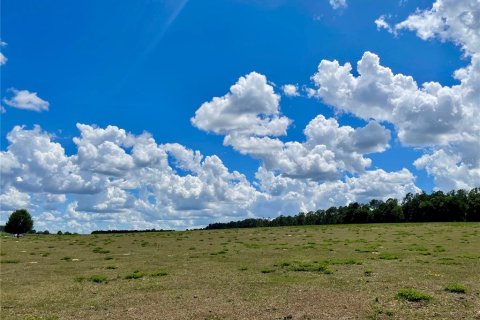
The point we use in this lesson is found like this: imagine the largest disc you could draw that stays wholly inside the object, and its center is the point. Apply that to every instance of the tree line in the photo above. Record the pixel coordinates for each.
(460, 205)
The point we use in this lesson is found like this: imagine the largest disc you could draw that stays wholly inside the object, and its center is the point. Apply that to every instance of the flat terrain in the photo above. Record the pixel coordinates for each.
(311, 272)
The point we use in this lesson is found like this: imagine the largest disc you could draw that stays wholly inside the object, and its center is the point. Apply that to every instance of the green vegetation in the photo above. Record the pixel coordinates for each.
(413, 295)
(135, 275)
(352, 271)
(387, 256)
(456, 288)
(19, 222)
(97, 278)
(421, 207)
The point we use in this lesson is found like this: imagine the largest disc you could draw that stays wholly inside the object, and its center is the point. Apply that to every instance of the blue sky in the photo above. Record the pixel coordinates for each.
(149, 66)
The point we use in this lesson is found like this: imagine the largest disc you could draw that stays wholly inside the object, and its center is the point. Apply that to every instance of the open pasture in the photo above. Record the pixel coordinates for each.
(371, 271)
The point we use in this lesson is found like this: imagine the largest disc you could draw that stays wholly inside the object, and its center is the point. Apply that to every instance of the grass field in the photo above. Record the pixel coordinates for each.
(382, 271)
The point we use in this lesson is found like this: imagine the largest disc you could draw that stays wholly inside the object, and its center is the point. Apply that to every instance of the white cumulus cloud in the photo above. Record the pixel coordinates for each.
(290, 90)
(26, 100)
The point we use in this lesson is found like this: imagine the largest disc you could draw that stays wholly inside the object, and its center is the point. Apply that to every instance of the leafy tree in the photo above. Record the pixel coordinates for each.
(19, 222)
(421, 207)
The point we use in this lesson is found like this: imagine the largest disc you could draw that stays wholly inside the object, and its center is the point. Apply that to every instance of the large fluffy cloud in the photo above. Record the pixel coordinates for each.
(445, 119)
(288, 195)
(248, 117)
(120, 180)
(251, 107)
(450, 20)
(115, 177)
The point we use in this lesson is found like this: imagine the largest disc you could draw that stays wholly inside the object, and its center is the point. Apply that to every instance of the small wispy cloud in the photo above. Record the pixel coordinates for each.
(26, 100)
(382, 24)
(290, 90)
(3, 59)
(338, 4)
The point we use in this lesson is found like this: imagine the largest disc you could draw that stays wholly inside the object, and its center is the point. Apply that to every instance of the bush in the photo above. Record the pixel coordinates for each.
(100, 250)
(98, 278)
(413, 295)
(456, 288)
(134, 275)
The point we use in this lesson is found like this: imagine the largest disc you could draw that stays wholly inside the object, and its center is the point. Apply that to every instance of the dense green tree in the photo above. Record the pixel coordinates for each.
(19, 222)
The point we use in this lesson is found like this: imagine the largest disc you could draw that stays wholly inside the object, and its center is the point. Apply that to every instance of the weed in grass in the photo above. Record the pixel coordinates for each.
(449, 261)
(425, 253)
(100, 250)
(387, 256)
(243, 268)
(134, 275)
(368, 272)
(96, 278)
(455, 288)
(9, 261)
(45, 254)
(159, 274)
(267, 270)
(111, 267)
(108, 258)
(470, 256)
(41, 318)
(309, 267)
(413, 295)
(67, 258)
(224, 251)
(349, 261)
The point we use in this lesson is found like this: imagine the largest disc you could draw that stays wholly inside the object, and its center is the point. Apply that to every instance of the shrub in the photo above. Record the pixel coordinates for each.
(267, 270)
(97, 278)
(100, 250)
(387, 256)
(9, 261)
(309, 267)
(134, 275)
(456, 288)
(413, 295)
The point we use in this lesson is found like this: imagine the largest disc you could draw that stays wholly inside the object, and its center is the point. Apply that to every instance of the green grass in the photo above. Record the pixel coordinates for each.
(310, 272)
(455, 288)
(96, 278)
(135, 275)
(413, 295)
(9, 261)
(387, 256)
